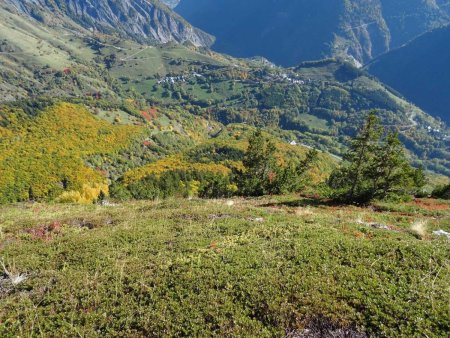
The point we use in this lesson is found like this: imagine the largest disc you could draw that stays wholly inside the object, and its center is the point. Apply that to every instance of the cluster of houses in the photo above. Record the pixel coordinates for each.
(179, 78)
(172, 79)
(286, 77)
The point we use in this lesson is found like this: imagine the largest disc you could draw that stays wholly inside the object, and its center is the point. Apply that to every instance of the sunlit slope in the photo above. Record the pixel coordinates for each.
(43, 155)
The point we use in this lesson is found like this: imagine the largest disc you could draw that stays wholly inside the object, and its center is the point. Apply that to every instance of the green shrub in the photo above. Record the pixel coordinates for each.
(442, 192)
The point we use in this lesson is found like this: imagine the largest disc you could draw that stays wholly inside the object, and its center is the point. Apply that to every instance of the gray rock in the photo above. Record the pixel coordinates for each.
(141, 20)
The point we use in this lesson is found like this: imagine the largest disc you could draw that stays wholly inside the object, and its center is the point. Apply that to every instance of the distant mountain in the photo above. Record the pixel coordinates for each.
(420, 71)
(141, 20)
(287, 32)
(45, 55)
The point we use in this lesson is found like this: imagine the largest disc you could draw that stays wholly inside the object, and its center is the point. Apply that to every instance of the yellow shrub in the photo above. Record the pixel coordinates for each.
(87, 195)
(232, 188)
(172, 163)
(194, 187)
(37, 153)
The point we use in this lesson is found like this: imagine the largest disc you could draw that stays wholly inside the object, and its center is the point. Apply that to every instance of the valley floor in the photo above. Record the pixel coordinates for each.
(275, 266)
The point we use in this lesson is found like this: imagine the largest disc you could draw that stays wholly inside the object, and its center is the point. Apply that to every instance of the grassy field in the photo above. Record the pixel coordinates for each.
(258, 267)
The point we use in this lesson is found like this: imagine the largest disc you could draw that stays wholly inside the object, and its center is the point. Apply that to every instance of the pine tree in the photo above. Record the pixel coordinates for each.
(375, 167)
(260, 166)
(392, 173)
(350, 182)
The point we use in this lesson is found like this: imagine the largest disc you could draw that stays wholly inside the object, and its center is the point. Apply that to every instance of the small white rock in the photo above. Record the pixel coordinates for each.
(442, 233)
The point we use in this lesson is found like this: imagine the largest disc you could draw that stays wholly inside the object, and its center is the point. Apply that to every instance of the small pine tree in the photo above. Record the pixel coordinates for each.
(260, 165)
(376, 167)
(350, 182)
(262, 173)
(101, 197)
(391, 173)
(31, 196)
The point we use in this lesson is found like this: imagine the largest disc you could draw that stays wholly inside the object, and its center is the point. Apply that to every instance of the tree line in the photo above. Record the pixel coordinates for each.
(375, 167)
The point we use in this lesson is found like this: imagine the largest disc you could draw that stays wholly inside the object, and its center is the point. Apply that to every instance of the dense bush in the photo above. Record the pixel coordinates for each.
(442, 192)
(214, 170)
(175, 183)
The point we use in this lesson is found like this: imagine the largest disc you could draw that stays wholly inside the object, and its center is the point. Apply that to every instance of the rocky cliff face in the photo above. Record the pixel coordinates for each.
(369, 28)
(142, 20)
(287, 31)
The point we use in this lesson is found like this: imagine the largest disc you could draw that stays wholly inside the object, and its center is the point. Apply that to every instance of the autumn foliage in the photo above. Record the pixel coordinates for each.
(43, 156)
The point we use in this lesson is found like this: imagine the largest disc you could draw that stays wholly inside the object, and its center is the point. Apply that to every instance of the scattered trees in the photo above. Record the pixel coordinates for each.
(261, 174)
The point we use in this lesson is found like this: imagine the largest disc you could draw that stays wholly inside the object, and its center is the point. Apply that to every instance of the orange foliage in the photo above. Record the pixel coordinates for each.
(430, 204)
(150, 114)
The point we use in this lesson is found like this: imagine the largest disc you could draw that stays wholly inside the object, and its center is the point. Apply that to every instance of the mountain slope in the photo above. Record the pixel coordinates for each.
(38, 59)
(318, 104)
(288, 32)
(420, 71)
(142, 20)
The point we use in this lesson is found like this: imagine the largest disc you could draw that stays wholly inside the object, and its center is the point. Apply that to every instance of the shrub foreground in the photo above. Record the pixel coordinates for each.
(258, 267)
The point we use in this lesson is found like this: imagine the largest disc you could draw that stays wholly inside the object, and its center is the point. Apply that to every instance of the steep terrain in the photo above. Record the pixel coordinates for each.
(122, 163)
(288, 32)
(51, 60)
(420, 71)
(178, 96)
(142, 20)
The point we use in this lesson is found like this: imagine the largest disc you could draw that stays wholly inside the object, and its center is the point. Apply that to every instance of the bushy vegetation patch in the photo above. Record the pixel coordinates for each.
(42, 156)
(375, 167)
(266, 267)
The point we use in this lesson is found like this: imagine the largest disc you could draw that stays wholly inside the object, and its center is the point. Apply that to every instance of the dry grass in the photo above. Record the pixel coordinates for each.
(419, 227)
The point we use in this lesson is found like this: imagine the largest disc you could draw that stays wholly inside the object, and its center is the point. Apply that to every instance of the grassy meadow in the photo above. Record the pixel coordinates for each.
(267, 267)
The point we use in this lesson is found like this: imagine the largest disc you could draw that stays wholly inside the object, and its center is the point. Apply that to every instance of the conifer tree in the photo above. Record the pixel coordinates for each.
(263, 175)
(350, 181)
(375, 167)
(260, 166)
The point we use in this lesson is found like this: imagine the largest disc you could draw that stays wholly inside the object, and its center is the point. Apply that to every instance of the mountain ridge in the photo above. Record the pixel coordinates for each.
(288, 32)
(318, 104)
(141, 20)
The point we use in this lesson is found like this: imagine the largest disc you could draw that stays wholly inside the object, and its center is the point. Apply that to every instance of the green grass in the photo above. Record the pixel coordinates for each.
(260, 267)
(313, 121)
(139, 62)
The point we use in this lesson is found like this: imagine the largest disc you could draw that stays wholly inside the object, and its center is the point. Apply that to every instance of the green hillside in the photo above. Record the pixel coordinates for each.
(39, 60)
(176, 96)
(321, 103)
